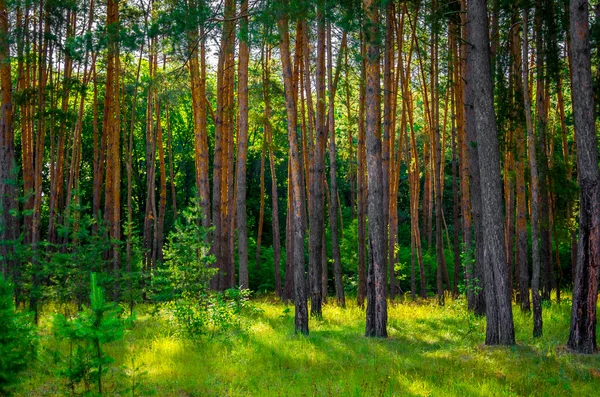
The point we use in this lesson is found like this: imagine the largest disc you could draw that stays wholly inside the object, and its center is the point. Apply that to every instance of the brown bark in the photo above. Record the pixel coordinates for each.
(547, 278)
(198, 87)
(582, 335)
(317, 172)
(301, 311)
(151, 215)
(27, 140)
(522, 263)
(376, 324)
(463, 151)
(111, 124)
(9, 224)
(242, 150)
(333, 195)
(437, 169)
(223, 156)
(535, 249)
(261, 213)
(478, 284)
(362, 187)
(388, 79)
(500, 327)
(455, 185)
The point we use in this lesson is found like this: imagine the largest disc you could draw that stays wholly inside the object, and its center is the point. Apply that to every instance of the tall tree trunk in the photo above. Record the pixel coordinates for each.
(333, 203)
(542, 160)
(522, 263)
(437, 169)
(535, 249)
(261, 211)
(500, 327)
(242, 148)
(376, 280)
(42, 75)
(198, 86)
(463, 150)
(478, 284)
(288, 287)
(455, 186)
(111, 124)
(301, 313)
(582, 335)
(316, 207)
(362, 184)
(388, 79)
(9, 223)
(27, 140)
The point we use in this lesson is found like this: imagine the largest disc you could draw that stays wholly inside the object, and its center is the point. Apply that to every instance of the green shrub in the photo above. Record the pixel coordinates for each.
(17, 339)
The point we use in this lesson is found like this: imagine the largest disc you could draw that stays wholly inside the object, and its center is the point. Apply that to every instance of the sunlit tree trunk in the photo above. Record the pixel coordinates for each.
(242, 148)
(376, 281)
(333, 202)
(111, 124)
(301, 313)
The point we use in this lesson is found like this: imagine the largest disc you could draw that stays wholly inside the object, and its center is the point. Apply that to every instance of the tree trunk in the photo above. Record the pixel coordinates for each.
(500, 327)
(362, 184)
(478, 284)
(242, 148)
(111, 124)
(376, 280)
(301, 313)
(542, 160)
(333, 203)
(522, 263)
(582, 335)
(535, 249)
(9, 224)
(316, 207)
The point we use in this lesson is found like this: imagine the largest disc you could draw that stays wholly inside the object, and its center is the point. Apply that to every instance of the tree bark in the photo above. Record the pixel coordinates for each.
(301, 311)
(376, 281)
(478, 284)
(9, 224)
(242, 148)
(582, 335)
(535, 249)
(500, 327)
(333, 203)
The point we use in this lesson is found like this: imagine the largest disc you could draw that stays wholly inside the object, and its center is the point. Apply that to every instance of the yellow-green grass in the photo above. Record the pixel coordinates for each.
(431, 351)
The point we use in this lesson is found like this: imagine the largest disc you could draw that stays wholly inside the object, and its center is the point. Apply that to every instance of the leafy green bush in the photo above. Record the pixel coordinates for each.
(17, 338)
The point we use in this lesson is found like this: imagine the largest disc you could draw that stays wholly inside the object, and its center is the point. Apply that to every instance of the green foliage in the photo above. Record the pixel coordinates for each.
(70, 264)
(87, 334)
(186, 271)
(17, 339)
(182, 284)
(431, 351)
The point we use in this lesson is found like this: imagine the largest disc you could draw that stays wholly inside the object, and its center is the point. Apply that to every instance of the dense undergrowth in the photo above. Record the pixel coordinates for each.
(431, 351)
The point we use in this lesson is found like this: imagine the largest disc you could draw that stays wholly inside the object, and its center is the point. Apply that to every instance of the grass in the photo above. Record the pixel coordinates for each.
(431, 351)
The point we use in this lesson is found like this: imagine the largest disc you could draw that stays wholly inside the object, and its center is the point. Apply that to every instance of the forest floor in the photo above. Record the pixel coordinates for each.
(431, 351)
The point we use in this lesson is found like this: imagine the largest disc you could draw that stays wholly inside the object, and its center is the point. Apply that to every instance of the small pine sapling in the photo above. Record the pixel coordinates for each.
(87, 334)
(17, 339)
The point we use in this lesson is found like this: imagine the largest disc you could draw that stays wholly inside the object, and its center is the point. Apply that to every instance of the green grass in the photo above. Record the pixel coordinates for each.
(431, 351)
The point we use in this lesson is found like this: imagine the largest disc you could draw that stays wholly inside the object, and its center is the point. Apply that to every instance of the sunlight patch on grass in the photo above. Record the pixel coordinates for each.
(431, 351)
